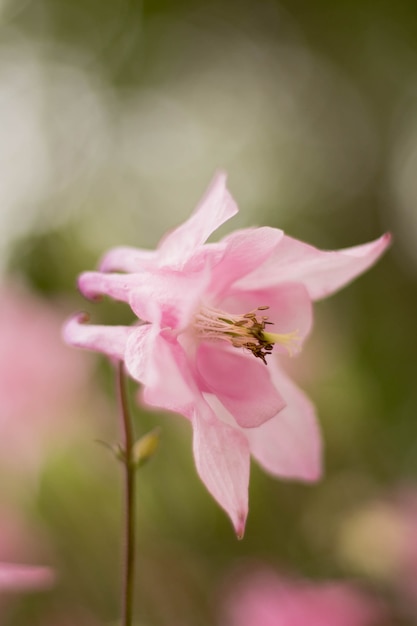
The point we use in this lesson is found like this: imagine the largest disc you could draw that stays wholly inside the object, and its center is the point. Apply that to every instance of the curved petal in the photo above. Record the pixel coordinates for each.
(290, 309)
(168, 298)
(138, 352)
(207, 256)
(118, 286)
(110, 340)
(222, 459)
(241, 383)
(289, 445)
(245, 250)
(127, 259)
(159, 362)
(216, 207)
(322, 272)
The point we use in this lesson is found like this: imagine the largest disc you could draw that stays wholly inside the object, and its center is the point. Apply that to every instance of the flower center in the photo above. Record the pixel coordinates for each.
(244, 331)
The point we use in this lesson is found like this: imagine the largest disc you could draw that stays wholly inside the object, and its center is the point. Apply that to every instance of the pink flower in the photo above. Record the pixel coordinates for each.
(20, 543)
(40, 382)
(202, 350)
(14, 577)
(268, 599)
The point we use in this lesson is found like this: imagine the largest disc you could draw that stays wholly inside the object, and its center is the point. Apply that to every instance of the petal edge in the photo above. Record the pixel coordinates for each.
(222, 459)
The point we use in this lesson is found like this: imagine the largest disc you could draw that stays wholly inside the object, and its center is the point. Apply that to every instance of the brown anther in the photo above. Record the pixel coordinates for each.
(242, 331)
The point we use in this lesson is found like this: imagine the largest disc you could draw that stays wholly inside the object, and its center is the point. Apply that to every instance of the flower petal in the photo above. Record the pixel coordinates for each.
(244, 251)
(118, 286)
(289, 445)
(165, 297)
(110, 340)
(241, 383)
(290, 307)
(138, 352)
(322, 272)
(168, 298)
(216, 207)
(127, 259)
(222, 459)
(161, 365)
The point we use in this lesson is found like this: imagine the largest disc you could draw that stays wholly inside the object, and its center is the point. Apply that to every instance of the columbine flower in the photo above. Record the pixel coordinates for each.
(263, 597)
(215, 314)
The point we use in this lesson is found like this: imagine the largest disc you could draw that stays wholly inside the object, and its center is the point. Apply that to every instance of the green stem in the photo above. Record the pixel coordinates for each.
(129, 502)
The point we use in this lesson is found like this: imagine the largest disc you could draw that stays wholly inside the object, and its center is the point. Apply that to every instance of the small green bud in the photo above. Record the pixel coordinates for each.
(145, 447)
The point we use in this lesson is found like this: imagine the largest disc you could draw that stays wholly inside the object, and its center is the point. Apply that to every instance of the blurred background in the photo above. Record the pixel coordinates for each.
(114, 115)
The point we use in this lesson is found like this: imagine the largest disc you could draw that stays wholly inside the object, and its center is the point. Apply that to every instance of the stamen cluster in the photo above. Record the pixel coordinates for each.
(242, 331)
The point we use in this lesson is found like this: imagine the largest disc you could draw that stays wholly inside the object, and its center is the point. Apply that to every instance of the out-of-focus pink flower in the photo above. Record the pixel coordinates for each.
(266, 599)
(209, 310)
(39, 378)
(380, 541)
(20, 543)
(14, 577)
